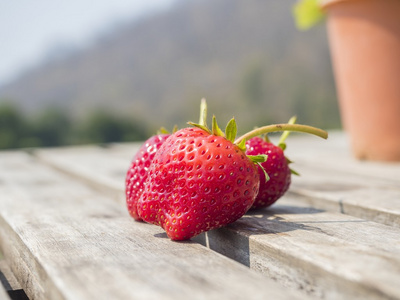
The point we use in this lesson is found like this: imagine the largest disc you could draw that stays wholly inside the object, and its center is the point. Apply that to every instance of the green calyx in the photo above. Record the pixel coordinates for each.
(231, 131)
(229, 134)
(163, 130)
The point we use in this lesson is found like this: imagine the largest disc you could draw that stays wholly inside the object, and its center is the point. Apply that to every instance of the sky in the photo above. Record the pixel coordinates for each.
(30, 29)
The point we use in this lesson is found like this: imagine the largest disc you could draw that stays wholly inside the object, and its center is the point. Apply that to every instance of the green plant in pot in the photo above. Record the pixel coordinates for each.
(364, 37)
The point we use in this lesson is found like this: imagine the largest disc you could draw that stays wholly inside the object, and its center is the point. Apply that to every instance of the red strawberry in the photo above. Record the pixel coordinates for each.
(138, 172)
(276, 166)
(199, 180)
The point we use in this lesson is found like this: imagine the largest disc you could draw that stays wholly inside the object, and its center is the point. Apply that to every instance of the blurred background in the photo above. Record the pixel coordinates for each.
(75, 72)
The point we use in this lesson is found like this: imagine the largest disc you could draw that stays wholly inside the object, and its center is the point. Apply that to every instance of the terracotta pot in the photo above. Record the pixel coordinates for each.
(364, 37)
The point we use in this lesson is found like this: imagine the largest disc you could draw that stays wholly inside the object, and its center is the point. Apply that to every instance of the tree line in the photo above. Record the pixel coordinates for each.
(54, 127)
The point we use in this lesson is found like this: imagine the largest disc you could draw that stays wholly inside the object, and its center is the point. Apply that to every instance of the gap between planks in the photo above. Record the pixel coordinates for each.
(64, 240)
(271, 252)
(344, 187)
(325, 254)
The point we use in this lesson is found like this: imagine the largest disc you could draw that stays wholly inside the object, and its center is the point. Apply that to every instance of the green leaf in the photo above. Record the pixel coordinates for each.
(307, 13)
(294, 172)
(242, 145)
(258, 158)
(231, 130)
(162, 130)
(215, 128)
(200, 126)
(264, 171)
(288, 160)
(175, 129)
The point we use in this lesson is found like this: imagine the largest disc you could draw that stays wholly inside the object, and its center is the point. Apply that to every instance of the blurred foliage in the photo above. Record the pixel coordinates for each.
(13, 128)
(307, 13)
(103, 127)
(51, 128)
(246, 58)
(54, 127)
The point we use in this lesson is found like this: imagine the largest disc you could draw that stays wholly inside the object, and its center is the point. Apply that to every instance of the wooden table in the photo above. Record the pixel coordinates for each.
(65, 232)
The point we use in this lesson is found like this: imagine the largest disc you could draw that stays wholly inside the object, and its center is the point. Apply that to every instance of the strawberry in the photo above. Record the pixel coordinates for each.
(138, 172)
(276, 166)
(199, 180)
(202, 179)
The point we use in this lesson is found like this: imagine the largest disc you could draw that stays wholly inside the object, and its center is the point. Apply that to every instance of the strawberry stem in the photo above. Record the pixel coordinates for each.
(285, 134)
(283, 127)
(203, 113)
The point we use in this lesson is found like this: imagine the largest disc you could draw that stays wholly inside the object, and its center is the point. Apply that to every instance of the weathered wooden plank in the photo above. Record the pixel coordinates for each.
(323, 253)
(367, 199)
(64, 240)
(105, 167)
(10, 284)
(334, 154)
(332, 179)
(332, 256)
(3, 280)
(8, 279)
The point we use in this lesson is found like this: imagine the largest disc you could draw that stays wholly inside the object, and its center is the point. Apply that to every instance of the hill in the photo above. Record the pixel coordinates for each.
(246, 57)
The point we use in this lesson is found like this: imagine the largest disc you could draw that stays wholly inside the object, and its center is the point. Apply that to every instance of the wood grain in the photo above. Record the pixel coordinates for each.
(65, 240)
(101, 167)
(4, 279)
(326, 254)
(331, 178)
(329, 255)
(10, 282)
(334, 154)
